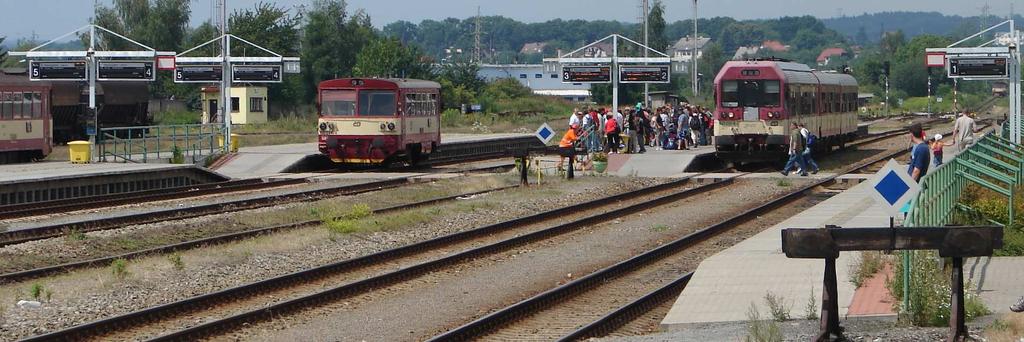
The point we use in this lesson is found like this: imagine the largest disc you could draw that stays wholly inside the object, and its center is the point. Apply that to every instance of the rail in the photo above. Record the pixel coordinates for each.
(145, 143)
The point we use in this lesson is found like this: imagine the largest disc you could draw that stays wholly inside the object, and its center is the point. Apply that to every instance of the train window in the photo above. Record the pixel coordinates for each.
(5, 105)
(37, 105)
(17, 105)
(750, 72)
(338, 102)
(376, 103)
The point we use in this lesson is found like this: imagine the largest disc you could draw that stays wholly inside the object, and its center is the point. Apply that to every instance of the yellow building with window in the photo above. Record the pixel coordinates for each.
(248, 105)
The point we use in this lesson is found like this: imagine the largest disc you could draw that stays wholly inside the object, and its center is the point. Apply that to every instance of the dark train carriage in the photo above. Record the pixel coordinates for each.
(26, 130)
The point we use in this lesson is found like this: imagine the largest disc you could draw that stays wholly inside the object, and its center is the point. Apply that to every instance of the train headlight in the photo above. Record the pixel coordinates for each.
(771, 115)
(323, 126)
(391, 126)
(731, 115)
(383, 126)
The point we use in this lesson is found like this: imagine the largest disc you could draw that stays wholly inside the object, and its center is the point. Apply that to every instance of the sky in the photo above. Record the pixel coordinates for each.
(18, 18)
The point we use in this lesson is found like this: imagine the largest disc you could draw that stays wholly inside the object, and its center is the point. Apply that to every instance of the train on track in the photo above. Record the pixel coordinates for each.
(35, 115)
(378, 121)
(756, 101)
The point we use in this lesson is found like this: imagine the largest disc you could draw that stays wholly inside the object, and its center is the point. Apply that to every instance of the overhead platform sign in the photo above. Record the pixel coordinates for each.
(76, 70)
(125, 71)
(270, 73)
(978, 67)
(644, 74)
(184, 73)
(586, 74)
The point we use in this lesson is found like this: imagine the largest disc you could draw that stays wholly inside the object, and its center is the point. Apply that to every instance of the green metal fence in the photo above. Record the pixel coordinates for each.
(142, 144)
(993, 163)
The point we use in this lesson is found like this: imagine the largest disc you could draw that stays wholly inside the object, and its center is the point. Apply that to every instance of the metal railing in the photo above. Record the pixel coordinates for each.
(142, 144)
(993, 163)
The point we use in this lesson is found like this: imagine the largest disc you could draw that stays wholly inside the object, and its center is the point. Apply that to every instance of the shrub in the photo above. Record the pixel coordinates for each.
(119, 268)
(36, 290)
(761, 330)
(175, 260)
(177, 156)
(929, 292)
(777, 306)
(600, 157)
(358, 211)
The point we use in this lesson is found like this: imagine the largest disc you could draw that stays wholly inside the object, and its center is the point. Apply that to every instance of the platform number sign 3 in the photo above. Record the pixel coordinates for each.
(893, 188)
(545, 133)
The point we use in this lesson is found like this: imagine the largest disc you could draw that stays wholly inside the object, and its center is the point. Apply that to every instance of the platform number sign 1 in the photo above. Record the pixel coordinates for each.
(893, 188)
(545, 133)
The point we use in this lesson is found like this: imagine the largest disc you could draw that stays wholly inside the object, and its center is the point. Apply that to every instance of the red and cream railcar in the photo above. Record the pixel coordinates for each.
(26, 131)
(756, 102)
(378, 121)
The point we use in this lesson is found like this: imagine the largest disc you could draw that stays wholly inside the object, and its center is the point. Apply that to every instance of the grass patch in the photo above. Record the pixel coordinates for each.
(36, 291)
(777, 306)
(660, 228)
(287, 124)
(783, 183)
(866, 266)
(119, 268)
(177, 118)
(759, 329)
(176, 261)
(76, 235)
(1008, 328)
(929, 292)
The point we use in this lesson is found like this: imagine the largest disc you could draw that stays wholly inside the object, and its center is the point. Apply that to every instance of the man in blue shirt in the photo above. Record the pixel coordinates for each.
(919, 155)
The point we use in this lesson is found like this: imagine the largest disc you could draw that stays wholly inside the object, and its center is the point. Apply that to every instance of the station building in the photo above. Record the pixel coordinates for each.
(248, 104)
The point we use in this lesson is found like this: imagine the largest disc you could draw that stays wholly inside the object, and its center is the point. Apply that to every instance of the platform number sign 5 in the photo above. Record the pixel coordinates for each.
(35, 71)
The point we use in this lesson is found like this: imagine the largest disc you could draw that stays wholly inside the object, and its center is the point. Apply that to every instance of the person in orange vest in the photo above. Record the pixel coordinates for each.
(567, 146)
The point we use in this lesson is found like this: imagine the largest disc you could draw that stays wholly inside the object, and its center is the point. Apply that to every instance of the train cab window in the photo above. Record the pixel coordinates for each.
(338, 102)
(376, 103)
(750, 93)
(771, 94)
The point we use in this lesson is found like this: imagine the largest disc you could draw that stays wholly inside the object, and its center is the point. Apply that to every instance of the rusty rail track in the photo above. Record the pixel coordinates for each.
(98, 328)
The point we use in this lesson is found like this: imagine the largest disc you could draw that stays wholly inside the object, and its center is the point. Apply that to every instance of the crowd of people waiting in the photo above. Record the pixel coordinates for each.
(632, 130)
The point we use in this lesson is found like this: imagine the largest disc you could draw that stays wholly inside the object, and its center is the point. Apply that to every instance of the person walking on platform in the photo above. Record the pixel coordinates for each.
(696, 127)
(919, 155)
(963, 132)
(810, 140)
(796, 148)
(683, 126)
(937, 146)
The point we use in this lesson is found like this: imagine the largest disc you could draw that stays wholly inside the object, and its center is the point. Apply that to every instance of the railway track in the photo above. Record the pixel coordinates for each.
(110, 200)
(218, 239)
(50, 231)
(249, 303)
(505, 323)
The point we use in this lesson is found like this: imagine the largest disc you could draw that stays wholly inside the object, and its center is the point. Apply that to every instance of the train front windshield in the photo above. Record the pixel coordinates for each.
(361, 103)
(750, 93)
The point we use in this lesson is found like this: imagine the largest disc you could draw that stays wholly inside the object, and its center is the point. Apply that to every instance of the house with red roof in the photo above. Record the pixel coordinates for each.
(827, 54)
(774, 46)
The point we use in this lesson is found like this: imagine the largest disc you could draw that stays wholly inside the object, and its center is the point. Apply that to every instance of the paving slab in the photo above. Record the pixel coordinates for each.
(999, 281)
(655, 163)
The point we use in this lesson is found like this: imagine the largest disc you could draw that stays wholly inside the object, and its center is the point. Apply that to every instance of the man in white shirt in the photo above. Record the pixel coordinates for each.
(963, 132)
(576, 119)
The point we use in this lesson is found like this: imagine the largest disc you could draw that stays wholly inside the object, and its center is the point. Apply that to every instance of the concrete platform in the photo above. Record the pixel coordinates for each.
(41, 171)
(655, 163)
(271, 160)
(726, 284)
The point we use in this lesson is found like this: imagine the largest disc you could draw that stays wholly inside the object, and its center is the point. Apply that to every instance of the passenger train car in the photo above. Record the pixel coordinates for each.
(378, 121)
(26, 130)
(756, 102)
(35, 115)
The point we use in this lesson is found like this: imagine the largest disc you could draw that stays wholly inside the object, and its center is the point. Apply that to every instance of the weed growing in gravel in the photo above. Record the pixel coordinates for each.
(866, 266)
(358, 211)
(777, 306)
(811, 308)
(175, 260)
(929, 291)
(659, 228)
(761, 330)
(1008, 328)
(76, 235)
(36, 290)
(341, 226)
(783, 183)
(48, 294)
(119, 268)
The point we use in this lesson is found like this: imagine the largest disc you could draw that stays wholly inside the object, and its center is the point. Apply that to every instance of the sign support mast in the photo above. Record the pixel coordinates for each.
(225, 82)
(615, 73)
(94, 127)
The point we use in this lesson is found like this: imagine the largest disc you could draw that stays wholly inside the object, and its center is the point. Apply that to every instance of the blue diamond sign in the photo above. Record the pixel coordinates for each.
(545, 133)
(893, 188)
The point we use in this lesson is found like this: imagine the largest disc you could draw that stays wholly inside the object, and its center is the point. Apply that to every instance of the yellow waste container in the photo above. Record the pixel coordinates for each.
(80, 151)
(234, 142)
